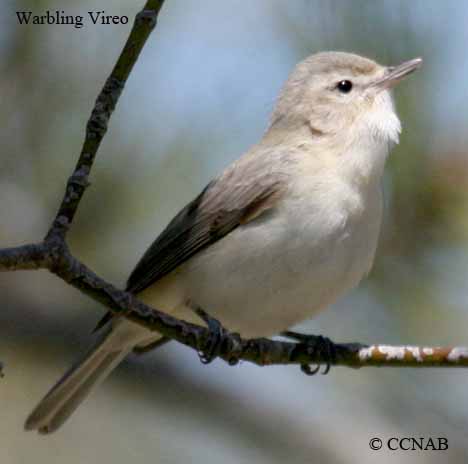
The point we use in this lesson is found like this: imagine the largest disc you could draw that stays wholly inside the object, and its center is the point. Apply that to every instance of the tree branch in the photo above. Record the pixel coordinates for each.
(96, 128)
(53, 254)
(32, 256)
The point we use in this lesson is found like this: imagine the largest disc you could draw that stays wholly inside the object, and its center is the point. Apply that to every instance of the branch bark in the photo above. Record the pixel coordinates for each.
(54, 255)
(96, 128)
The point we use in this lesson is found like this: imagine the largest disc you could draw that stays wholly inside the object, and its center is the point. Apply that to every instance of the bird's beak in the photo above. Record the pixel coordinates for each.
(394, 74)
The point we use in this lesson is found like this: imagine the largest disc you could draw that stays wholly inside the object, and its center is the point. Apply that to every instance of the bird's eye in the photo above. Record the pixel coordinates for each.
(344, 86)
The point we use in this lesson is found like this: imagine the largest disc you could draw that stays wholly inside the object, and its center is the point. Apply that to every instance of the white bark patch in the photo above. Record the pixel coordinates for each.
(457, 353)
(366, 353)
(392, 352)
(415, 351)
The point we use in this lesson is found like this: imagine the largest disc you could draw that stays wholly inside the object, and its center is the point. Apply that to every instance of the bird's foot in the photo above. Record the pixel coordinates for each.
(321, 347)
(215, 340)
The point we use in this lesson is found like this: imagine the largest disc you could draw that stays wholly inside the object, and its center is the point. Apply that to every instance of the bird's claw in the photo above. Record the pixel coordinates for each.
(318, 346)
(215, 339)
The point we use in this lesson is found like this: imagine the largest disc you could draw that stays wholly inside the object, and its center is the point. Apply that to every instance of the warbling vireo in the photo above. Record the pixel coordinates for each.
(280, 234)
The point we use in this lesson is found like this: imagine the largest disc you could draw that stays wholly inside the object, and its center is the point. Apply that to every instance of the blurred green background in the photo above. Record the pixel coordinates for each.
(199, 96)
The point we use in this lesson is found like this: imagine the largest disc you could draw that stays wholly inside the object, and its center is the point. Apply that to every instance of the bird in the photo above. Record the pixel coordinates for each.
(276, 237)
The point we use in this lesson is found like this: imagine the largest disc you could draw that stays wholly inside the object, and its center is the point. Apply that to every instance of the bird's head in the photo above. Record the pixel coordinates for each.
(341, 95)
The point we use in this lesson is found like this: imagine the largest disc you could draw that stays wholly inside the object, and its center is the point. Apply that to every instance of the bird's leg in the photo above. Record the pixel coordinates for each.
(216, 338)
(319, 346)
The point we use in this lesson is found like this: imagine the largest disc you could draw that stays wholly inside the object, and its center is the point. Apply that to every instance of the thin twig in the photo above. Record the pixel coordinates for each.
(96, 128)
(259, 351)
(32, 256)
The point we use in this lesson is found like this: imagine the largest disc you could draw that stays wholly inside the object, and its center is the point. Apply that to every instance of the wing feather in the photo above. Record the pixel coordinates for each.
(207, 219)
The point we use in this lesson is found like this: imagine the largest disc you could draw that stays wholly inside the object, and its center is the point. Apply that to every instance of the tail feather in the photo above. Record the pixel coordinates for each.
(68, 393)
(63, 413)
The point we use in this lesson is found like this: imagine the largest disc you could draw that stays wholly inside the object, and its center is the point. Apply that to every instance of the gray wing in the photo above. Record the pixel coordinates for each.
(221, 207)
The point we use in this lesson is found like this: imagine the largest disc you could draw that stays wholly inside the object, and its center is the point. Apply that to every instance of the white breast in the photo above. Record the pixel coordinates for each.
(282, 268)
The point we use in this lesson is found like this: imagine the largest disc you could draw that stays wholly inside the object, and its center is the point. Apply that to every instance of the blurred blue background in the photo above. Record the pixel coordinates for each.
(199, 96)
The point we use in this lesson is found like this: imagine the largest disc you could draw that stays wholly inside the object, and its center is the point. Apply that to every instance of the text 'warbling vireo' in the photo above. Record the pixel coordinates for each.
(280, 234)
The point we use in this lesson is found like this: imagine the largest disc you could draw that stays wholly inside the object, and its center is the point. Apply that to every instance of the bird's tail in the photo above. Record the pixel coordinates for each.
(78, 382)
